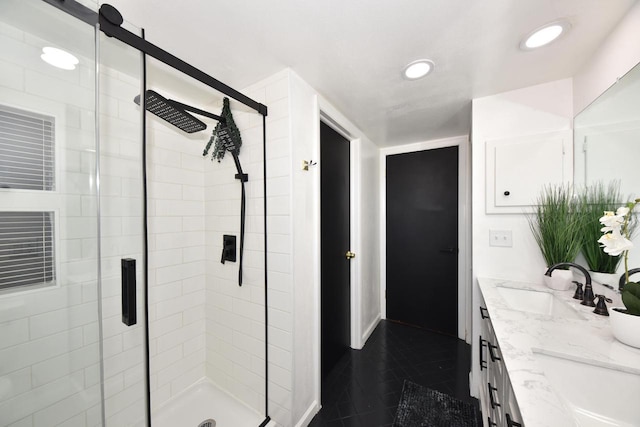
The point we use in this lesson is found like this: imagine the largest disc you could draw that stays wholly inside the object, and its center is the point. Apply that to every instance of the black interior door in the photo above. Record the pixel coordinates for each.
(422, 239)
(334, 231)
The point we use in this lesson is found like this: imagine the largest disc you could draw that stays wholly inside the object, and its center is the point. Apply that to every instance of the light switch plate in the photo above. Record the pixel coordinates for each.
(501, 238)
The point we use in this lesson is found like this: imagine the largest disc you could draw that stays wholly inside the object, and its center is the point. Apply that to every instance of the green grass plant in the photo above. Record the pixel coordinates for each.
(556, 224)
(594, 200)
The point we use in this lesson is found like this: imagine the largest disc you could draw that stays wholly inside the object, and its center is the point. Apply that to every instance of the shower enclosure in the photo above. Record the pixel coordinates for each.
(114, 307)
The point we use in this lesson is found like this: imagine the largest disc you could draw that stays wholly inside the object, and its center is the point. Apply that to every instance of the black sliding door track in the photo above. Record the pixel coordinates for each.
(162, 55)
(90, 17)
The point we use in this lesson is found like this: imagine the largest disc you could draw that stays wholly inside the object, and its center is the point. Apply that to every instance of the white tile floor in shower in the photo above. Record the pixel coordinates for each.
(203, 401)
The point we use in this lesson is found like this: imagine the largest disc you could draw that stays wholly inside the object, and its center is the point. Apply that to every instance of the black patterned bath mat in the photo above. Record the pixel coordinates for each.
(422, 407)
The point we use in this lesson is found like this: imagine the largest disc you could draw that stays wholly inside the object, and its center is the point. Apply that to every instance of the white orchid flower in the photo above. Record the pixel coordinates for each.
(612, 221)
(615, 243)
(622, 211)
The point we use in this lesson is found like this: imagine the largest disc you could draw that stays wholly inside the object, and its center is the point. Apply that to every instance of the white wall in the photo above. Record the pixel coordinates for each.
(305, 208)
(533, 110)
(525, 112)
(617, 55)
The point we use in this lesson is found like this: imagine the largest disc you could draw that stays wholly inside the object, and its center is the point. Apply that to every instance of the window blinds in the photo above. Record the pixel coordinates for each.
(26, 150)
(26, 248)
(26, 163)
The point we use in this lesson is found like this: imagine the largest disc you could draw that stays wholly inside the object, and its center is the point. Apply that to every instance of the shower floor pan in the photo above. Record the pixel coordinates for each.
(203, 401)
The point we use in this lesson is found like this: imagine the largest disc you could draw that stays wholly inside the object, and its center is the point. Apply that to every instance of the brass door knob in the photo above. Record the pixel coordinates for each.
(350, 255)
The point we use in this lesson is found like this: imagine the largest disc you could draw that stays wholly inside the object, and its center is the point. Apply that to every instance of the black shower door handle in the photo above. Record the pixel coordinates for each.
(128, 267)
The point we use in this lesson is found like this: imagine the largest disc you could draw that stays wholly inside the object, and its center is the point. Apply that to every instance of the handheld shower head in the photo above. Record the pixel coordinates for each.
(226, 137)
(171, 112)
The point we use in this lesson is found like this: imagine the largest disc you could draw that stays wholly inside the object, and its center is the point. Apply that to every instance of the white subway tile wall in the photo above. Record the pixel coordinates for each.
(202, 322)
(235, 333)
(275, 93)
(177, 259)
(50, 369)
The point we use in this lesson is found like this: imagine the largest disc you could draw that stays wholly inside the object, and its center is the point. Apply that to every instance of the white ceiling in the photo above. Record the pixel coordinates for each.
(352, 52)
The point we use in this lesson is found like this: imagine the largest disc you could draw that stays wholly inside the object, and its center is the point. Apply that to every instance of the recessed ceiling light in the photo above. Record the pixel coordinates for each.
(544, 35)
(417, 69)
(59, 58)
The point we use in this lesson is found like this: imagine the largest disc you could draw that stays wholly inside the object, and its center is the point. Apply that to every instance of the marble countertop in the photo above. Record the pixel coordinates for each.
(521, 333)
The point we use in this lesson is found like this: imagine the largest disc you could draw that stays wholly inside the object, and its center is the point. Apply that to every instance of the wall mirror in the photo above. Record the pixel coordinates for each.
(607, 142)
(607, 137)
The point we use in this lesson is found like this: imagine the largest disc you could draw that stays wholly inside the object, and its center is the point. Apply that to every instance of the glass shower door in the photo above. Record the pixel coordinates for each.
(71, 208)
(50, 349)
(121, 232)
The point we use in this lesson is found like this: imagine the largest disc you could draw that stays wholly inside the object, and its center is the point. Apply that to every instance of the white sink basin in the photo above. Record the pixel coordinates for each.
(596, 395)
(538, 302)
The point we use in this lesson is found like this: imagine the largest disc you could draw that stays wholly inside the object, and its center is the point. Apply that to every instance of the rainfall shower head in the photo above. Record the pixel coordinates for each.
(171, 112)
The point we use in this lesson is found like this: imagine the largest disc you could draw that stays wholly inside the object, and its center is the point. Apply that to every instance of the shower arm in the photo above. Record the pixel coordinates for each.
(197, 111)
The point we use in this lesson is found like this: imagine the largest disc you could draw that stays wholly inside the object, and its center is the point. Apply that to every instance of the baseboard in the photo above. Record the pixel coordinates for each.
(308, 414)
(370, 329)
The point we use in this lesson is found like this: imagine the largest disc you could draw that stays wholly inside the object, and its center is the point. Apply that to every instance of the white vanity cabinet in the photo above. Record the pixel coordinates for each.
(498, 403)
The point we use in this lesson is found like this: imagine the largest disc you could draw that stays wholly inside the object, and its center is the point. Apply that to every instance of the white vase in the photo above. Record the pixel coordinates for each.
(605, 278)
(625, 327)
(560, 280)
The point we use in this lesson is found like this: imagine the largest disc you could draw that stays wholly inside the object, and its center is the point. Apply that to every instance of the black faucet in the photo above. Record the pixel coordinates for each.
(601, 307)
(588, 297)
(623, 278)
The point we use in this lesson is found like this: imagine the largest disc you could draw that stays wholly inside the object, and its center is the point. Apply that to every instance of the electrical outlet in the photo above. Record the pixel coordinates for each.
(501, 238)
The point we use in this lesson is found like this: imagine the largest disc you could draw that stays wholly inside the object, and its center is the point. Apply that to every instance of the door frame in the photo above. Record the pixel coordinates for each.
(342, 137)
(354, 226)
(464, 224)
(325, 112)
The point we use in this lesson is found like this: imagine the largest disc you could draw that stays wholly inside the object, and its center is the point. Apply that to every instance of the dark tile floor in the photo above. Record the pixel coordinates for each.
(364, 388)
